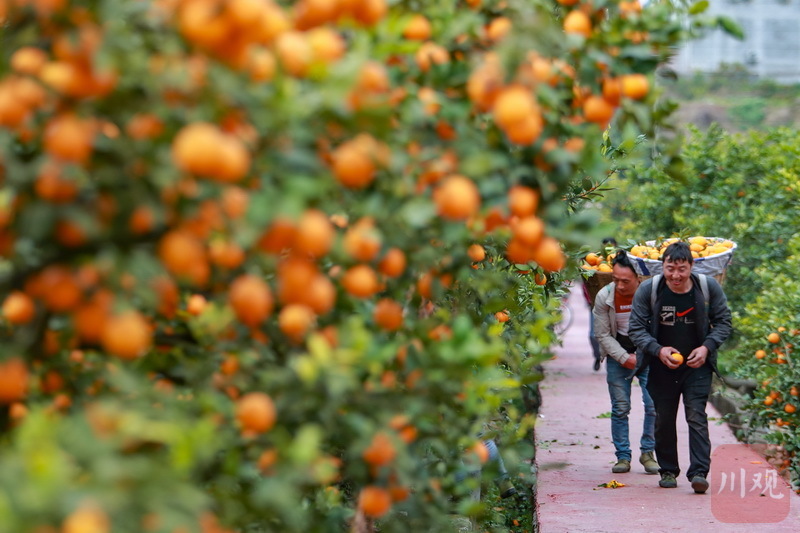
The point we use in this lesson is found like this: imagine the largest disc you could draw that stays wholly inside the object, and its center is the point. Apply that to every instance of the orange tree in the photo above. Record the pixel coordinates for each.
(252, 250)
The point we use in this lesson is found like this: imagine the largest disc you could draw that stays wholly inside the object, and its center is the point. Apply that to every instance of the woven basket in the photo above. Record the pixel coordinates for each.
(596, 282)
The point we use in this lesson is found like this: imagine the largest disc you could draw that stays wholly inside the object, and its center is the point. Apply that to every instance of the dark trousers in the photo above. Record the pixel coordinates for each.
(666, 388)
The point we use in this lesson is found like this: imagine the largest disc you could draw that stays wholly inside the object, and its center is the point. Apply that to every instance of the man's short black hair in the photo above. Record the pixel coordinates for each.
(623, 260)
(610, 240)
(678, 251)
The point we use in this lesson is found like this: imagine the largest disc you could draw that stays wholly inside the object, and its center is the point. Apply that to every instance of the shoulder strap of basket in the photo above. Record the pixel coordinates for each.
(704, 288)
(657, 279)
(653, 290)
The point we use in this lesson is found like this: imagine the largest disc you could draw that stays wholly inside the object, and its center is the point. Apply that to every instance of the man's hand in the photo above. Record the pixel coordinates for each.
(630, 362)
(698, 357)
(665, 356)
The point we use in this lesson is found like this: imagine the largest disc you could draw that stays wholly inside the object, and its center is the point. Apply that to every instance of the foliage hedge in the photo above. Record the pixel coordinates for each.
(238, 277)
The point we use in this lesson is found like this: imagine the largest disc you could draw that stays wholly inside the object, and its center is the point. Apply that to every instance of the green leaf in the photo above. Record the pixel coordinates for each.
(699, 7)
(730, 27)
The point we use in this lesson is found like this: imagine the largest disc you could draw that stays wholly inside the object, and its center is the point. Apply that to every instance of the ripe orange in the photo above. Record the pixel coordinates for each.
(502, 316)
(577, 22)
(196, 305)
(381, 450)
(279, 236)
(593, 259)
(540, 278)
(678, 358)
(87, 517)
(598, 110)
(612, 90)
(430, 54)
(418, 28)
(388, 314)
(127, 335)
(319, 295)
(182, 253)
(226, 254)
(362, 241)
(353, 166)
(480, 449)
(457, 198)
(18, 308)
(527, 131)
(760, 354)
(251, 299)
(522, 200)
(295, 320)
(549, 255)
(635, 86)
(294, 52)
(393, 263)
(529, 230)
(327, 45)
(144, 126)
(255, 412)
(69, 138)
(295, 275)
(28, 60)
(476, 252)
(13, 380)
(498, 28)
(90, 318)
(315, 233)
(360, 281)
(789, 408)
(513, 105)
(774, 338)
(374, 501)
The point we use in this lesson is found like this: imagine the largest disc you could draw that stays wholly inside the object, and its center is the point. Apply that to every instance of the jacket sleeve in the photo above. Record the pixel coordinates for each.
(602, 328)
(719, 317)
(641, 318)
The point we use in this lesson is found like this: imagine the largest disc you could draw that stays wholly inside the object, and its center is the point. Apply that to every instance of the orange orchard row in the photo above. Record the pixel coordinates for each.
(258, 38)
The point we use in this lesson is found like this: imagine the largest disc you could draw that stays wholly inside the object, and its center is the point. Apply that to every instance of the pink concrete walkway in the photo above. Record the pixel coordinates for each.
(575, 455)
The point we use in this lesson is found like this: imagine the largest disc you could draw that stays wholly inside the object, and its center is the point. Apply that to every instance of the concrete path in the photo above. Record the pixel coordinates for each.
(575, 455)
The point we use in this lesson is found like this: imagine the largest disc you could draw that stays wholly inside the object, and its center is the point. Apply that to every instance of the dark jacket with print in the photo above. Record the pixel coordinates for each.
(714, 326)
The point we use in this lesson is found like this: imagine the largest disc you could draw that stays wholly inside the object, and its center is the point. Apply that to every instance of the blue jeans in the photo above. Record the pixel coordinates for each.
(619, 389)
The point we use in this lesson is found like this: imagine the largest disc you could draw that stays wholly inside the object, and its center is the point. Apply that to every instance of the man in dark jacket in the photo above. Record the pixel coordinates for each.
(688, 316)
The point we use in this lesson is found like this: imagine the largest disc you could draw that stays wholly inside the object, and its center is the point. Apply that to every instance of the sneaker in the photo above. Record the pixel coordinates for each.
(700, 484)
(649, 463)
(507, 489)
(668, 481)
(622, 466)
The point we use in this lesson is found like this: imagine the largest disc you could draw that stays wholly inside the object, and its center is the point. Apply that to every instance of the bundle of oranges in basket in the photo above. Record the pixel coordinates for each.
(700, 247)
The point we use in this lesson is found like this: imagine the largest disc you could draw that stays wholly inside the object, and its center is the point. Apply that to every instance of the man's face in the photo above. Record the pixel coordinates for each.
(677, 274)
(625, 280)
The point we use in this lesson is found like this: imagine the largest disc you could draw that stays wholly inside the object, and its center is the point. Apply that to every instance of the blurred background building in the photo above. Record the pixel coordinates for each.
(771, 48)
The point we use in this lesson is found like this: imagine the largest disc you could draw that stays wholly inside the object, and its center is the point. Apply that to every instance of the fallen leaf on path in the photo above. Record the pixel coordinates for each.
(613, 484)
(755, 462)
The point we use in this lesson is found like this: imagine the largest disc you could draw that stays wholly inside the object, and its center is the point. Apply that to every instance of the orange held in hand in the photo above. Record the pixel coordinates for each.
(678, 358)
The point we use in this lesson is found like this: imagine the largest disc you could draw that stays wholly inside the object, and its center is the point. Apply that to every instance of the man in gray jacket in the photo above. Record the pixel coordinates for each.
(684, 317)
(612, 308)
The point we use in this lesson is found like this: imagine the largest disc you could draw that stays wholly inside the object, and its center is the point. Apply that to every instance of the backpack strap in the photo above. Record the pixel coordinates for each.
(654, 290)
(704, 288)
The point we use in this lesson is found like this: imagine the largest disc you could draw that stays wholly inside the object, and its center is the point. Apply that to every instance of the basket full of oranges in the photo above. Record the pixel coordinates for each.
(598, 272)
(712, 255)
